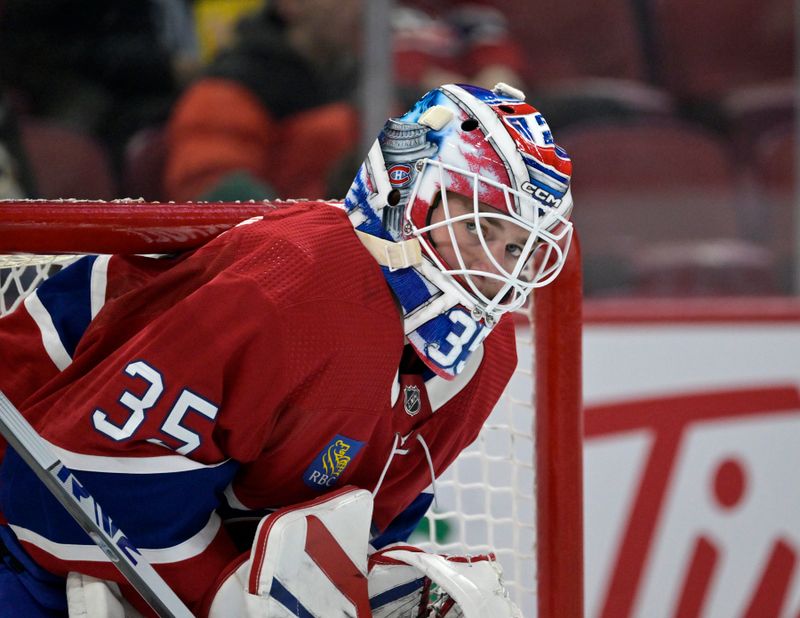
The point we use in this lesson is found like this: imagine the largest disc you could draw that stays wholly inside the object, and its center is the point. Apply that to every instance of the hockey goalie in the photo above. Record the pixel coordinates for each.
(312, 370)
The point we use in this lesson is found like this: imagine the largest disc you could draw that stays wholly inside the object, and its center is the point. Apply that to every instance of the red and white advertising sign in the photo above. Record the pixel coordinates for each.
(692, 425)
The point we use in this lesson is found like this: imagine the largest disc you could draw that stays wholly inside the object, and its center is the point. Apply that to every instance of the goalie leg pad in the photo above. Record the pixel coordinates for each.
(89, 597)
(308, 560)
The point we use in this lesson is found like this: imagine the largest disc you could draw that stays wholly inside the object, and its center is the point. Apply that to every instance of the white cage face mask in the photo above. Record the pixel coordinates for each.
(494, 257)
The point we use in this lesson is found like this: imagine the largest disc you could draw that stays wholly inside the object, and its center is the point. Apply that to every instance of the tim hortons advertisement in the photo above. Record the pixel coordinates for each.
(691, 459)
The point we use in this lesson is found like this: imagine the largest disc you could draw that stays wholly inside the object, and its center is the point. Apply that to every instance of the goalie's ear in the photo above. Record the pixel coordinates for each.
(404, 577)
(310, 559)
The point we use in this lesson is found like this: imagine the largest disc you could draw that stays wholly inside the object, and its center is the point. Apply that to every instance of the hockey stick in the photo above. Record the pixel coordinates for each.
(35, 451)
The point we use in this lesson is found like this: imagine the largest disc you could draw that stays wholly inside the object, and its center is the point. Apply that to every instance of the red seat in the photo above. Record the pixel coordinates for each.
(710, 268)
(757, 110)
(594, 99)
(144, 161)
(637, 185)
(774, 161)
(582, 38)
(706, 49)
(66, 163)
(773, 204)
(567, 40)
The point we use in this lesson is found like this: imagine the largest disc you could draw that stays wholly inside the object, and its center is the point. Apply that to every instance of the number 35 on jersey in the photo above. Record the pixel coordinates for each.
(137, 407)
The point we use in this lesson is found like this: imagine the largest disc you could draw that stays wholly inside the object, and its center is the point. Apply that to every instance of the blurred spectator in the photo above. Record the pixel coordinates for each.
(16, 181)
(178, 35)
(100, 67)
(272, 113)
(290, 73)
(465, 41)
(39, 159)
(215, 22)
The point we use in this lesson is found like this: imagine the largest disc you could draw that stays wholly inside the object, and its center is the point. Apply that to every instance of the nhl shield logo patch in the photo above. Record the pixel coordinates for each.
(412, 402)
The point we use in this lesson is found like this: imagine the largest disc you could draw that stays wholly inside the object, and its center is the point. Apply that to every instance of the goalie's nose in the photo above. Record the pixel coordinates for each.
(481, 262)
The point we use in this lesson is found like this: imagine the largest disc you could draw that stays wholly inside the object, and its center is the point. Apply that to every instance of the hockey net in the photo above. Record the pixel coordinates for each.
(515, 492)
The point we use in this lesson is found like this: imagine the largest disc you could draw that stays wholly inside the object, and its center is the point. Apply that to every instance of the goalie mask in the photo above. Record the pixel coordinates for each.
(465, 203)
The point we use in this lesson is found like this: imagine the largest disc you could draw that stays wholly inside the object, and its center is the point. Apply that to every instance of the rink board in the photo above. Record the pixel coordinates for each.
(692, 436)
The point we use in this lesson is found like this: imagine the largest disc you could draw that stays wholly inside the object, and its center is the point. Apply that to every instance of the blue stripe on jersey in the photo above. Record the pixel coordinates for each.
(388, 596)
(67, 296)
(26, 589)
(403, 525)
(288, 600)
(154, 510)
(48, 589)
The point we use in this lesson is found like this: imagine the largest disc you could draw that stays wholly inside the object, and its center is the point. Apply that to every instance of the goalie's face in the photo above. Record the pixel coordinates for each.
(485, 247)
(491, 255)
(494, 244)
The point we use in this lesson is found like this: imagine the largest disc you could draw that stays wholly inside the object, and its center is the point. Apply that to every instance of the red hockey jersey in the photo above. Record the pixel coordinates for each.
(259, 371)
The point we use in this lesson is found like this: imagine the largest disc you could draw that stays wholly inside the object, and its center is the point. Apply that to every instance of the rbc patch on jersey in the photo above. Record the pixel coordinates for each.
(331, 462)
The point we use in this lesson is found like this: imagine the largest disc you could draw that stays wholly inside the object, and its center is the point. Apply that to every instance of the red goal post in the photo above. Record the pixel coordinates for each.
(65, 227)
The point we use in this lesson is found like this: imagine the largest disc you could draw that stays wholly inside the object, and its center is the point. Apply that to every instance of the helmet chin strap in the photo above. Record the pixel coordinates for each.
(439, 320)
(408, 254)
(393, 255)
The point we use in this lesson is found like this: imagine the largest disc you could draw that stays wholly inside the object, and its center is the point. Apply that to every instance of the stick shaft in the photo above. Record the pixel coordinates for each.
(66, 488)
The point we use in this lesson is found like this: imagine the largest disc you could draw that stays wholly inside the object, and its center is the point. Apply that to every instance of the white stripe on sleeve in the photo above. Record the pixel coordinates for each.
(190, 548)
(98, 283)
(50, 338)
(165, 464)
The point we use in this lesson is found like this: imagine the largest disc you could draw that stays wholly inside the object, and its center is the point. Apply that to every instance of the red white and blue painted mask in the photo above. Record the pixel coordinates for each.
(466, 145)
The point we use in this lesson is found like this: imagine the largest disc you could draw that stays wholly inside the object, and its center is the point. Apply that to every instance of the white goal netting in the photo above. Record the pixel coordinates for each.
(19, 275)
(485, 501)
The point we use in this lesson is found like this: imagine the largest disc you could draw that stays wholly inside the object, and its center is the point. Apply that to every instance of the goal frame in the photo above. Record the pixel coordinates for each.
(558, 430)
(137, 226)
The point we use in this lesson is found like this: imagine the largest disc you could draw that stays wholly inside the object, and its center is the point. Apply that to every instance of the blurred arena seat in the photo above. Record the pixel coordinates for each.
(757, 110)
(716, 268)
(772, 202)
(582, 38)
(641, 185)
(585, 99)
(144, 161)
(606, 76)
(66, 163)
(705, 49)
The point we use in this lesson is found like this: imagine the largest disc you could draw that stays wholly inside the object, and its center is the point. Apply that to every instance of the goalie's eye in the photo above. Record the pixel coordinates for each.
(513, 250)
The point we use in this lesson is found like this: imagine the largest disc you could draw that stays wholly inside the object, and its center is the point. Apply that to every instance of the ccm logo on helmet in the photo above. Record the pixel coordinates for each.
(399, 174)
(545, 197)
